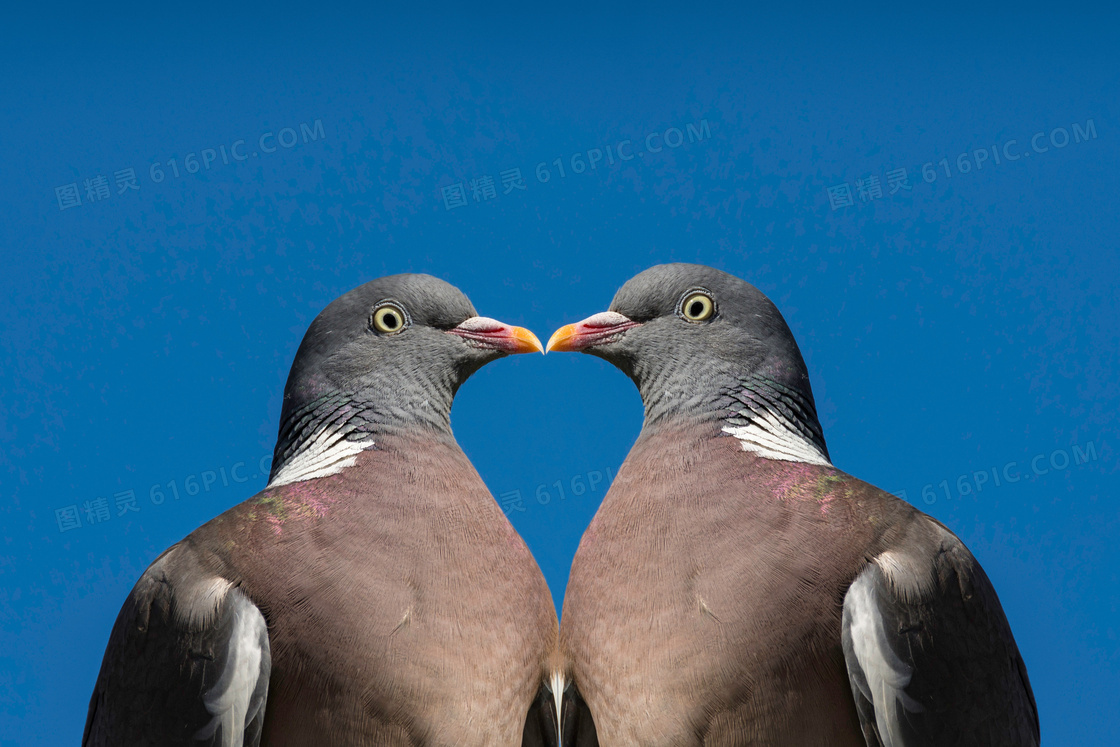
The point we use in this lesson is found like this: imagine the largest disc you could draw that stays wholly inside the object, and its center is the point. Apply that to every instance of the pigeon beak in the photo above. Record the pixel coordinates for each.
(494, 335)
(594, 330)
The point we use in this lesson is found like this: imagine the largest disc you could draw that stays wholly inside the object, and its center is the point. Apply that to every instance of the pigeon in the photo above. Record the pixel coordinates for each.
(373, 593)
(735, 587)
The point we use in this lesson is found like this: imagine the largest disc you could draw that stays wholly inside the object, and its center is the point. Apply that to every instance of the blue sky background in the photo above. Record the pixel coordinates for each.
(963, 328)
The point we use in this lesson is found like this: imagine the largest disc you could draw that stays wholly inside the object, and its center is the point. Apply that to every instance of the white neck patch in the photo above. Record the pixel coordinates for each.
(328, 452)
(767, 436)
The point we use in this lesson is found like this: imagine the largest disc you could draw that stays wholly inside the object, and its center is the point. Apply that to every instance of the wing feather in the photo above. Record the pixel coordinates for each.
(188, 662)
(930, 655)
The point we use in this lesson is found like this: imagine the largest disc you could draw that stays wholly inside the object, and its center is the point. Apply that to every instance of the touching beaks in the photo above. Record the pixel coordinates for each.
(594, 330)
(490, 333)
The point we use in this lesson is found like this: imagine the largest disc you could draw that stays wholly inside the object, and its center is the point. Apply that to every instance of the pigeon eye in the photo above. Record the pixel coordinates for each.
(698, 307)
(388, 319)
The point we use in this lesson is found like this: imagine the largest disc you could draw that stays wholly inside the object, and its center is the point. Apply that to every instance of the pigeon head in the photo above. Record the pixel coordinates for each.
(388, 355)
(699, 342)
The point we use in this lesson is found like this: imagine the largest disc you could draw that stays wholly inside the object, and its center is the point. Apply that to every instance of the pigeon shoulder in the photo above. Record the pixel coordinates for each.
(930, 654)
(188, 660)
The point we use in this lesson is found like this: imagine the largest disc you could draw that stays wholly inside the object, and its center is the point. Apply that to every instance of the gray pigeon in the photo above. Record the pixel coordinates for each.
(373, 593)
(735, 588)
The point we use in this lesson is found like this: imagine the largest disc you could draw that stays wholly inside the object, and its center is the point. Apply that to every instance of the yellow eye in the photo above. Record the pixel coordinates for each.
(388, 319)
(698, 307)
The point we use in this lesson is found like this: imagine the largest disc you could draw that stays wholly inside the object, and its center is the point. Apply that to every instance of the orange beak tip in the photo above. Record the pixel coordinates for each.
(526, 341)
(561, 339)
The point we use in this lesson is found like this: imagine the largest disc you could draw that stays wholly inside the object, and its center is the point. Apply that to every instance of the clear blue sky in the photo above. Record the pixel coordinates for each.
(960, 330)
